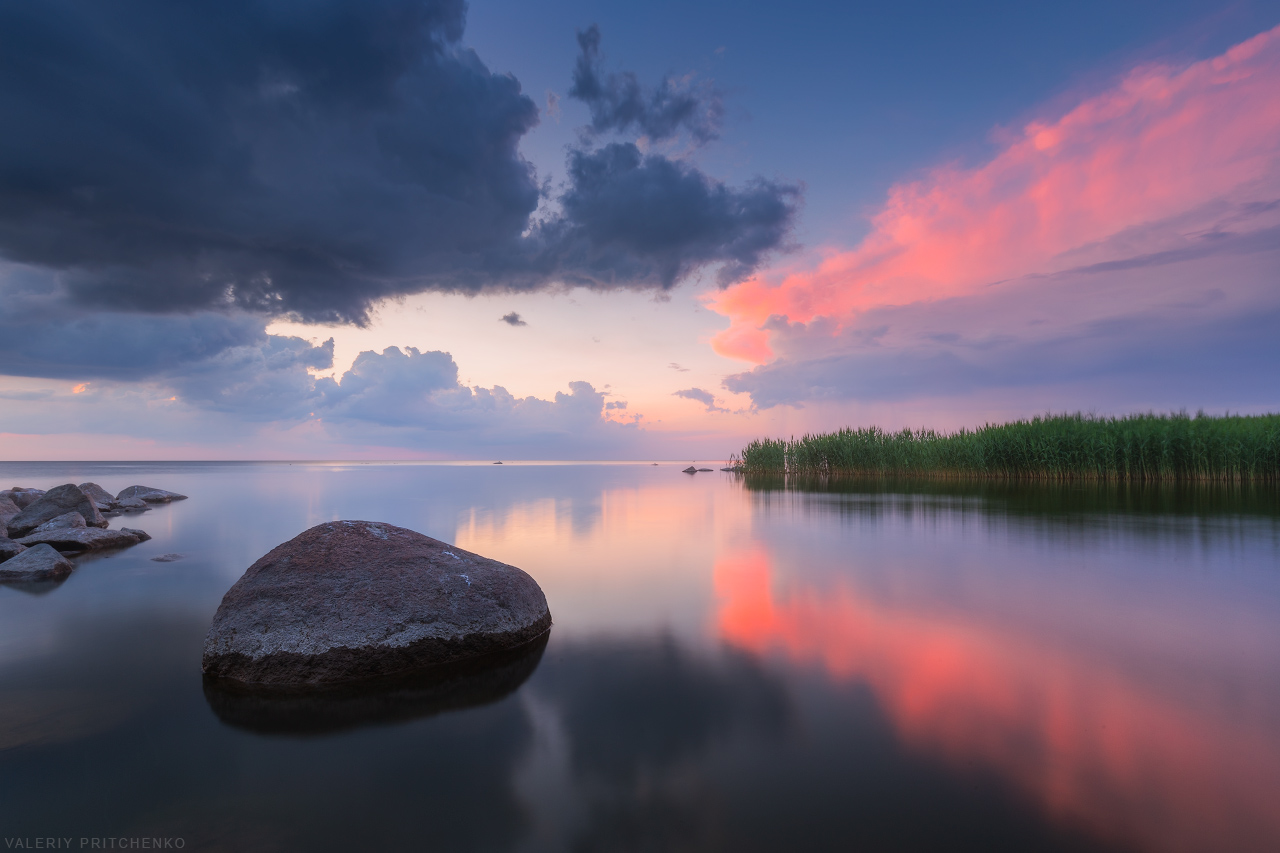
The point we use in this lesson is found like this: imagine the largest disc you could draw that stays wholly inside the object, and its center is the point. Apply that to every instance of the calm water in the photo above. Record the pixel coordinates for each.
(731, 668)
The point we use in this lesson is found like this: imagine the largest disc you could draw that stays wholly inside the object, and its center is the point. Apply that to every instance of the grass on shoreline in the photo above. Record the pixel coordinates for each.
(1053, 447)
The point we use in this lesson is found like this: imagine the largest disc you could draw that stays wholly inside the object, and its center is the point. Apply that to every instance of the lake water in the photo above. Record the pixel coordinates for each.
(733, 666)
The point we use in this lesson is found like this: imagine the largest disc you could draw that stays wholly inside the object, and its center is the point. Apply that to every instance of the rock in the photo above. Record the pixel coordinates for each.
(167, 558)
(422, 693)
(150, 495)
(689, 470)
(36, 563)
(8, 509)
(81, 539)
(351, 600)
(103, 499)
(67, 519)
(143, 536)
(23, 497)
(133, 505)
(729, 469)
(9, 549)
(704, 469)
(52, 504)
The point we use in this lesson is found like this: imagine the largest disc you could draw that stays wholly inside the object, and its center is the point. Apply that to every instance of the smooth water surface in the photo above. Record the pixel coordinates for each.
(733, 666)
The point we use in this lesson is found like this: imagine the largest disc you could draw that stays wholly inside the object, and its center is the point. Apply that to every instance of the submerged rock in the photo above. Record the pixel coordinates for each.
(148, 494)
(352, 600)
(37, 563)
(52, 504)
(81, 539)
(9, 549)
(167, 558)
(72, 520)
(422, 693)
(103, 499)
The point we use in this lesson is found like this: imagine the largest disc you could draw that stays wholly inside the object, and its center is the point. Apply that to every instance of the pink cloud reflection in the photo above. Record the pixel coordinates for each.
(1163, 141)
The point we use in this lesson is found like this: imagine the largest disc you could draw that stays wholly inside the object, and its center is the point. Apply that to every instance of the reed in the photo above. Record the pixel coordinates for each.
(1052, 447)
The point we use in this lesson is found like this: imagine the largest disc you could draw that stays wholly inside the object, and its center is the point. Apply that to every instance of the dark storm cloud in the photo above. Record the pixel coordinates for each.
(312, 159)
(512, 319)
(635, 218)
(619, 103)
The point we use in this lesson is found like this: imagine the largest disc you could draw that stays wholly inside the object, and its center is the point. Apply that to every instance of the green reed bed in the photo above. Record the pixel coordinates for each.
(1053, 447)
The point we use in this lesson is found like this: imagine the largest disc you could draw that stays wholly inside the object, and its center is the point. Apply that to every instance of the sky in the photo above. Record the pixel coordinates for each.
(396, 229)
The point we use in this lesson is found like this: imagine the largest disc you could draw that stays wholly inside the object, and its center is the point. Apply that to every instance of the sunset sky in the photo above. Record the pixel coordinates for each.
(425, 230)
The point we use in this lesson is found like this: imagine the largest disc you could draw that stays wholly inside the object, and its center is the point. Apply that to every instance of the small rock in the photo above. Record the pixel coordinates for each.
(52, 504)
(704, 469)
(9, 549)
(103, 499)
(8, 509)
(149, 494)
(143, 536)
(167, 558)
(351, 600)
(689, 470)
(36, 563)
(82, 539)
(66, 520)
(133, 505)
(23, 497)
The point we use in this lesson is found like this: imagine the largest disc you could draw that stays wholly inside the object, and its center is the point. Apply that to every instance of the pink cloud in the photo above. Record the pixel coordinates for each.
(1162, 142)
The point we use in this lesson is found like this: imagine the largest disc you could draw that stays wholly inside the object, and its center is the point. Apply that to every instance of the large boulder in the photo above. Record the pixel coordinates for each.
(9, 549)
(81, 539)
(148, 494)
(38, 563)
(52, 504)
(101, 498)
(351, 600)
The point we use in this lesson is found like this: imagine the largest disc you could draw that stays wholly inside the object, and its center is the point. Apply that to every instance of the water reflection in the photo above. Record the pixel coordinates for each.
(879, 666)
(377, 701)
(1123, 746)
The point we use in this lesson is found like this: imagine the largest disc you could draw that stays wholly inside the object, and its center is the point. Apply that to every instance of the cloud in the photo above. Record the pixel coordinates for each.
(652, 220)
(512, 319)
(619, 103)
(395, 398)
(1164, 141)
(706, 398)
(678, 368)
(1124, 254)
(310, 160)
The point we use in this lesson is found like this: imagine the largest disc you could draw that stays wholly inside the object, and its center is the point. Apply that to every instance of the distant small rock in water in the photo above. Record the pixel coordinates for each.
(149, 494)
(168, 558)
(689, 470)
(497, 463)
(354, 600)
(704, 469)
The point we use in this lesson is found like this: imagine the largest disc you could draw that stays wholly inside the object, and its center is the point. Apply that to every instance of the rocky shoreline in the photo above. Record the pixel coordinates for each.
(37, 528)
